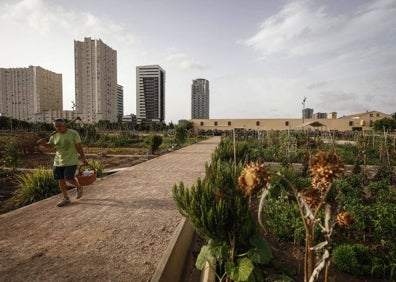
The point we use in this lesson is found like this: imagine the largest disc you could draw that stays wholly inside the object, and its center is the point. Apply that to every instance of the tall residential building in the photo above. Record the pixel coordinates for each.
(200, 99)
(320, 115)
(120, 101)
(27, 92)
(150, 94)
(95, 80)
(307, 113)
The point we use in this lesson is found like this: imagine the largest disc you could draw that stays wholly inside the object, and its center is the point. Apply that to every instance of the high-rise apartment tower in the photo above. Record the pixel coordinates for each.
(95, 80)
(200, 99)
(27, 92)
(150, 94)
(307, 113)
(120, 101)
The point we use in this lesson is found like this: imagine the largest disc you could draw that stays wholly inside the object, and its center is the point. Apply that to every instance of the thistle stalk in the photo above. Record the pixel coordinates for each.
(325, 167)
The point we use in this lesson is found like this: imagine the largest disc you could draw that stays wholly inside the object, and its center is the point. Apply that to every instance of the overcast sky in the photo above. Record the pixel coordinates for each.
(261, 57)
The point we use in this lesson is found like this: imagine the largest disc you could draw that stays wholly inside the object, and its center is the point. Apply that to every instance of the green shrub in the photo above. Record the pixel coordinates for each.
(35, 186)
(220, 213)
(279, 185)
(349, 188)
(225, 151)
(347, 153)
(355, 181)
(383, 221)
(154, 141)
(381, 191)
(98, 166)
(270, 154)
(283, 220)
(181, 134)
(384, 263)
(12, 156)
(356, 259)
(360, 229)
(378, 187)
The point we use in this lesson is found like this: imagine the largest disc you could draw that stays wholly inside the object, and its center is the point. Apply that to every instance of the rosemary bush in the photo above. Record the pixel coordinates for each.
(220, 213)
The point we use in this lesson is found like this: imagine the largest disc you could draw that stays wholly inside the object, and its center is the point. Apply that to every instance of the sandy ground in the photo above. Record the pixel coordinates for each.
(117, 231)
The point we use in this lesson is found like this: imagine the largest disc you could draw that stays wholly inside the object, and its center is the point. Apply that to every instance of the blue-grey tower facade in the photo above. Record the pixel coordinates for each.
(150, 94)
(200, 99)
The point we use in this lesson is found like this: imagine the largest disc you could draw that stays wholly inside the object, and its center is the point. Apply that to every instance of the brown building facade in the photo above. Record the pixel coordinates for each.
(27, 92)
(360, 121)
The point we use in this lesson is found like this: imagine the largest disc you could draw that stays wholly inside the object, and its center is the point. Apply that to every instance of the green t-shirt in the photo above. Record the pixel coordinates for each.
(65, 144)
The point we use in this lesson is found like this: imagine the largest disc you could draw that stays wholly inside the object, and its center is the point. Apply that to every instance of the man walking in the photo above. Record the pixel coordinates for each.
(67, 143)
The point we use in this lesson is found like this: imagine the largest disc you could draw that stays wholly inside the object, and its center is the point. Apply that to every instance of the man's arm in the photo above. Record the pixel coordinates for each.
(81, 153)
(43, 142)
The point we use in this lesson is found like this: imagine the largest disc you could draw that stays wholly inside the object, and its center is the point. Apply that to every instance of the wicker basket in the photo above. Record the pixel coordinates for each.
(86, 175)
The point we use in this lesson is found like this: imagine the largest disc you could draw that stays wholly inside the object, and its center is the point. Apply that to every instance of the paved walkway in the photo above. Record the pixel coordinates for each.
(117, 231)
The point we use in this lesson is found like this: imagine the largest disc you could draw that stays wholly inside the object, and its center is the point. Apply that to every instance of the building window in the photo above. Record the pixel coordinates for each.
(371, 115)
(257, 123)
(350, 123)
(215, 123)
(286, 123)
(378, 115)
(229, 123)
(202, 123)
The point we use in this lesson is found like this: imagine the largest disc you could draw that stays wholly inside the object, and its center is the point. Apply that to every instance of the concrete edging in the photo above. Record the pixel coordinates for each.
(172, 263)
(208, 274)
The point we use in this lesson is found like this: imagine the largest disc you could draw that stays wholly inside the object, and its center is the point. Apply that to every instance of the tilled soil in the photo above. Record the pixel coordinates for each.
(110, 163)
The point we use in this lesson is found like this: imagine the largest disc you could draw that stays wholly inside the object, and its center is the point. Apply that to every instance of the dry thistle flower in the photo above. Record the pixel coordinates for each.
(324, 168)
(253, 178)
(345, 219)
(311, 196)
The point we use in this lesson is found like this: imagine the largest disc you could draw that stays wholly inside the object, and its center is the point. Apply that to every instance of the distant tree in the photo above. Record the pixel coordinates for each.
(181, 134)
(188, 125)
(4, 122)
(154, 142)
(158, 126)
(385, 123)
(171, 125)
(12, 156)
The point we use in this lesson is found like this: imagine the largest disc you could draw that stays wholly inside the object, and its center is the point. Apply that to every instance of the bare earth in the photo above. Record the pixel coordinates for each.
(117, 231)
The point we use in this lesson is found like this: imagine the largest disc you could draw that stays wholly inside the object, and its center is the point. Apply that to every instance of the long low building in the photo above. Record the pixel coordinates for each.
(361, 121)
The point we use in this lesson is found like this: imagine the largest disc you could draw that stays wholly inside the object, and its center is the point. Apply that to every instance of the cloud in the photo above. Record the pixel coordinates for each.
(34, 14)
(340, 61)
(304, 28)
(182, 61)
(343, 102)
(42, 34)
(45, 17)
(317, 85)
(339, 55)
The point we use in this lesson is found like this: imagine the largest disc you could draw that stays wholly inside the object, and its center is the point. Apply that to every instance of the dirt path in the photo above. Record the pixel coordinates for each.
(117, 231)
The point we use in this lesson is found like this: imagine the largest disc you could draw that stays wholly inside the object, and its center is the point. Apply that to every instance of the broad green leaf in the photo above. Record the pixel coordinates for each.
(205, 255)
(242, 272)
(218, 251)
(262, 252)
